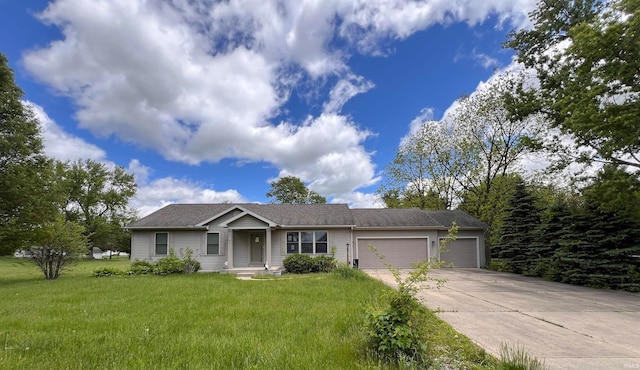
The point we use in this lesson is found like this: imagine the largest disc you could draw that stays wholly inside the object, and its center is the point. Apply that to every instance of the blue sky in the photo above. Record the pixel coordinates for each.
(208, 102)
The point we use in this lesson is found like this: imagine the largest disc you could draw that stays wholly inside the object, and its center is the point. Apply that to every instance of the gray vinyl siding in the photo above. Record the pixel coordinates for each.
(141, 245)
(240, 249)
(337, 238)
(248, 222)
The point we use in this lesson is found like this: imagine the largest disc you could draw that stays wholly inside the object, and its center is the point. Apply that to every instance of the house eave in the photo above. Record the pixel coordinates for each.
(174, 228)
(300, 227)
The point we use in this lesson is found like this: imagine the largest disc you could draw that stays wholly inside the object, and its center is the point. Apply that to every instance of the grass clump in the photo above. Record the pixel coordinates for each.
(518, 359)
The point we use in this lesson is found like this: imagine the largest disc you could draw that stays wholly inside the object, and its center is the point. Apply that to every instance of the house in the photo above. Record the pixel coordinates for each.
(252, 235)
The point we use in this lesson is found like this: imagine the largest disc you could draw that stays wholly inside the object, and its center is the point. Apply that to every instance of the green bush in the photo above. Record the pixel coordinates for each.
(107, 271)
(190, 264)
(323, 263)
(140, 268)
(298, 263)
(169, 265)
(395, 332)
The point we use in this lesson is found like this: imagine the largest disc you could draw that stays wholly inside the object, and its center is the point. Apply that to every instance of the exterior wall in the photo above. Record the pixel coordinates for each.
(142, 245)
(247, 222)
(240, 249)
(337, 238)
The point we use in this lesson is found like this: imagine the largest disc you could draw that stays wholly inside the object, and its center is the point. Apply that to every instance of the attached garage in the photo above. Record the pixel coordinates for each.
(461, 253)
(400, 253)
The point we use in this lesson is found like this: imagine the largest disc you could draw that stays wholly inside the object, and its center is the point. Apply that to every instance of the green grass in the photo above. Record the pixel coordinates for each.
(199, 321)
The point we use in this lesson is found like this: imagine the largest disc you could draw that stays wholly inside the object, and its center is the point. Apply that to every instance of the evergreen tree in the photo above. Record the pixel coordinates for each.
(546, 241)
(517, 231)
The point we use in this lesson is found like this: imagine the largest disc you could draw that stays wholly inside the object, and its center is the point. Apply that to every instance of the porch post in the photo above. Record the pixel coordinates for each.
(267, 258)
(230, 248)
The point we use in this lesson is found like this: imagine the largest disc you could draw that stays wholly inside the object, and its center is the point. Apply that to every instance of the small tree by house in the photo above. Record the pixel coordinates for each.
(60, 242)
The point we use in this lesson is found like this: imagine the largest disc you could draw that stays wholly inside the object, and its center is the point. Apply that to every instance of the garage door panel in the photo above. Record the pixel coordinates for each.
(461, 253)
(400, 253)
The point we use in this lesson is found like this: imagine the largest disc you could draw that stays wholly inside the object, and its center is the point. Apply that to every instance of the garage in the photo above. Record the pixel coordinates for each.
(399, 253)
(461, 253)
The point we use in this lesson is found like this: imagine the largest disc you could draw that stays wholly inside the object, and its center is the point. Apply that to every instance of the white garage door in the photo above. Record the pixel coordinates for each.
(399, 253)
(461, 253)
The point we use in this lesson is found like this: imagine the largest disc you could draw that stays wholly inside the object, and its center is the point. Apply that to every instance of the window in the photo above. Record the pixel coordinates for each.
(310, 242)
(162, 242)
(213, 243)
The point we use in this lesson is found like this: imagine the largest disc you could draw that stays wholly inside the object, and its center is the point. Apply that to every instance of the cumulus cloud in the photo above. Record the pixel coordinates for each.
(61, 145)
(155, 194)
(205, 80)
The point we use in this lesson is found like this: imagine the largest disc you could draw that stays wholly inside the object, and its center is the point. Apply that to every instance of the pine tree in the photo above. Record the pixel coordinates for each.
(517, 231)
(546, 241)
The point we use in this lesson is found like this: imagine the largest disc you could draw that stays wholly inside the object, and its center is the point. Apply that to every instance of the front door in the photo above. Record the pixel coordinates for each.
(257, 247)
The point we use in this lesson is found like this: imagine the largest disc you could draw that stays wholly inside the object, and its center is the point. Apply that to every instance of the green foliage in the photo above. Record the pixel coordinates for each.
(291, 190)
(298, 263)
(59, 242)
(139, 267)
(347, 272)
(190, 264)
(323, 263)
(518, 359)
(97, 198)
(518, 230)
(586, 55)
(25, 172)
(107, 271)
(396, 331)
(304, 263)
(171, 264)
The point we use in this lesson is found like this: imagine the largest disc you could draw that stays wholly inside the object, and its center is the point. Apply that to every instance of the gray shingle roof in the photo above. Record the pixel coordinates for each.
(191, 215)
(187, 215)
(392, 217)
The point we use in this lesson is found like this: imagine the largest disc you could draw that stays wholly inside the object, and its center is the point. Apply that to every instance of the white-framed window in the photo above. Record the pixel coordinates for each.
(309, 242)
(162, 244)
(213, 243)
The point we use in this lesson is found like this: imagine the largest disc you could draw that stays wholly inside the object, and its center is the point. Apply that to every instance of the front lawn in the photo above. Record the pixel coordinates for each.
(199, 321)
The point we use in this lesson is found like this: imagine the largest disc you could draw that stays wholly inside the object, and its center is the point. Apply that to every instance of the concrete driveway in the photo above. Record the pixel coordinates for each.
(570, 327)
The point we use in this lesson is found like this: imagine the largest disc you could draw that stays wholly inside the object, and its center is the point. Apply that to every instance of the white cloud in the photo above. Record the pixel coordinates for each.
(155, 194)
(202, 81)
(61, 145)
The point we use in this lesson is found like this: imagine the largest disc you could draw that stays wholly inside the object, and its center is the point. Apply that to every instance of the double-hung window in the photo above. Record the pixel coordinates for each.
(213, 243)
(162, 243)
(309, 242)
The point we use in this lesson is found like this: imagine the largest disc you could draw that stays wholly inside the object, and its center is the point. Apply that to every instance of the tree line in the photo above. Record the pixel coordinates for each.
(575, 102)
(51, 209)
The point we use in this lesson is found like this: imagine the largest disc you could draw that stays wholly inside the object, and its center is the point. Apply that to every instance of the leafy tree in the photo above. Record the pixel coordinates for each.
(421, 173)
(291, 190)
(517, 231)
(97, 198)
(25, 173)
(586, 55)
(59, 242)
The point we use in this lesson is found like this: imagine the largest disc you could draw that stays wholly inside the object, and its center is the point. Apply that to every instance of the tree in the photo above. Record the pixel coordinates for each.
(586, 55)
(97, 198)
(59, 242)
(292, 190)
(518, 230)
(25, 173)
(419, 176)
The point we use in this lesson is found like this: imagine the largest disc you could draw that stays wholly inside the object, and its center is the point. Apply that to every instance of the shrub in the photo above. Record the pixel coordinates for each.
(323, 264)
(107, 271)
(140, 268)
(190, 264)
(169, 265)
(298, 263)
